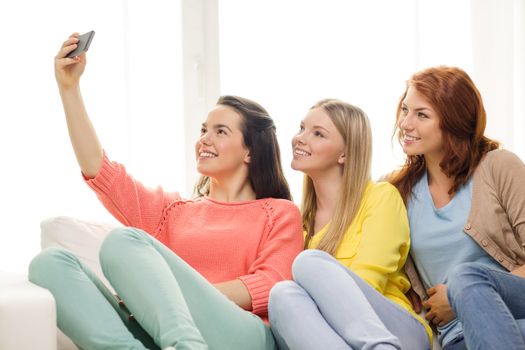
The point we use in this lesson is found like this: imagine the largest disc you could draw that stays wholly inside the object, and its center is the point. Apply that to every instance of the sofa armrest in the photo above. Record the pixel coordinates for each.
(81, 237)
(27, 315)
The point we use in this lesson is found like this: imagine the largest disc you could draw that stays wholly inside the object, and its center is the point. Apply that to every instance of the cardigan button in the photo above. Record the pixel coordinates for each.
(500, 259)
(468, 227)
(484, 242)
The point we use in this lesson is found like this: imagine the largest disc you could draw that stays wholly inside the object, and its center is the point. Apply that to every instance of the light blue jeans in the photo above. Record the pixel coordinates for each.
(327, 306)
(172, 304)
(490, 305)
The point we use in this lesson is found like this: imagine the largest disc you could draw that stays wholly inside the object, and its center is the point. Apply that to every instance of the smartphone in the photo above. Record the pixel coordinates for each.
(83, 43)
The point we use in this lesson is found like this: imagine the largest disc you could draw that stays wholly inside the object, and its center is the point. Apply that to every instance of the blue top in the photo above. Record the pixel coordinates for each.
(438, 242)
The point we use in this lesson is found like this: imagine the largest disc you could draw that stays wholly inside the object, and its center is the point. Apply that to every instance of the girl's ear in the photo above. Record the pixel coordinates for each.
(248, 158)
(341, 159)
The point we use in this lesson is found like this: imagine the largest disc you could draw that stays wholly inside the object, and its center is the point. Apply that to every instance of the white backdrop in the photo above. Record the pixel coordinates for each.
(283, 54)
(363, 52)
(133, 92)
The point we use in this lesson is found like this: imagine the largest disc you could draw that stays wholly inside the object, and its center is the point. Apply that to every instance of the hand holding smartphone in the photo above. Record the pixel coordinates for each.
(83, 44)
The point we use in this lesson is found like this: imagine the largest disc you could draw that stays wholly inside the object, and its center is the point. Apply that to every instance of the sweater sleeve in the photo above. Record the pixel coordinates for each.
(385, 238)
(276, 254)
(130, 202)
(509, 174)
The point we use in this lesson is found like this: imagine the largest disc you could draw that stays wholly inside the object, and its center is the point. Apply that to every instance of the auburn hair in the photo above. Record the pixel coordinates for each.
(462, 120)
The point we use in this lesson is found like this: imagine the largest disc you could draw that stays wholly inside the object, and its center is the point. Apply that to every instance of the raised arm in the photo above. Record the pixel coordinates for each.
(81, 132)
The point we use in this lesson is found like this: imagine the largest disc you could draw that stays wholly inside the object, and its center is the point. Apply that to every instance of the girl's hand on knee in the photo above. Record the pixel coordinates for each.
(439, 310)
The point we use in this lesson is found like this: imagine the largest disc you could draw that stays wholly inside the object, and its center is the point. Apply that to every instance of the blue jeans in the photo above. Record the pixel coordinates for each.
(490, 305)
(328, 306)
(172, 304)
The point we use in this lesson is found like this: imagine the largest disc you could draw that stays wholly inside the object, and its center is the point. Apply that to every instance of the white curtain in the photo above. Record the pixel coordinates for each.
(498, 56)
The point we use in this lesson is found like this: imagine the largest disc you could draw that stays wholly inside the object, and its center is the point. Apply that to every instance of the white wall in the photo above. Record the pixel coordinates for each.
(288, 59)
(363, 51)
(132, 88)
(145, 54)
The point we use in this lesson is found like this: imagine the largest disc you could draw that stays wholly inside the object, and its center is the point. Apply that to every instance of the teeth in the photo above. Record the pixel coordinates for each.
(411, 138)
(207, 155)
(300, 152)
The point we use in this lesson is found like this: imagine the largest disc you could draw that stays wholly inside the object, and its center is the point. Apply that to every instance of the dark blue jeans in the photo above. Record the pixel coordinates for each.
(491, 307)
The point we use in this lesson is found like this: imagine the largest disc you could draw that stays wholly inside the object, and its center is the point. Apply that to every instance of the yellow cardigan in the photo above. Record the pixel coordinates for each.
(377, 242)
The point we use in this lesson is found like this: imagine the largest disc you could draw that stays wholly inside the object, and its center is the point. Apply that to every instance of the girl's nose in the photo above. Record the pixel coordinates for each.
(405, 122)
(205, 138)
(298, 138)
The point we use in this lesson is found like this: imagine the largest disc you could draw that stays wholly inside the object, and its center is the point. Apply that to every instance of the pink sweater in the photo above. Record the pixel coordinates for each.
(255, 241)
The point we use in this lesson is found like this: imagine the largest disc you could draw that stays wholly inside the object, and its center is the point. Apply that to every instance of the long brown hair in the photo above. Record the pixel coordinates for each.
(353, 125)
(457, 101)
(259, 136)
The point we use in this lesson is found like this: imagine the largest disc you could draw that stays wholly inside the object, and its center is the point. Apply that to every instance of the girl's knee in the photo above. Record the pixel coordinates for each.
(306, 261)
(48, 261)
(464, 273)
(116, 240)
(462, 277)
(311, 262)
(281, 291)
(117, 247)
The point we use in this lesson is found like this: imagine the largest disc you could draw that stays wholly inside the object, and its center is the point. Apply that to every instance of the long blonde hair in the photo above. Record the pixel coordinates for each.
(354, 126)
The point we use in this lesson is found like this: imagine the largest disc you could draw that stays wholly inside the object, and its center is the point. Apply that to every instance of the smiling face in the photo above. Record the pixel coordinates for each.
(318, 147)
(220, 151)
(419, 127)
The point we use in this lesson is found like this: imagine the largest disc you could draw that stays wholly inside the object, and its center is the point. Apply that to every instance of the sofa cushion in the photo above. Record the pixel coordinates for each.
(81, 237)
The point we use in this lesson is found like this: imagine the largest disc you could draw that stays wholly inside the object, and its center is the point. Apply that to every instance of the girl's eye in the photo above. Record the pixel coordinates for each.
(221, 132)
(203, 131)
(318, 134)
(404, 110)
(422, 115)
(301, 128)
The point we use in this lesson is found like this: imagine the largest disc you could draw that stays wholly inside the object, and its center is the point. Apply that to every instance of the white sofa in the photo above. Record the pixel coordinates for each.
(27, 315)
(27, 312)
